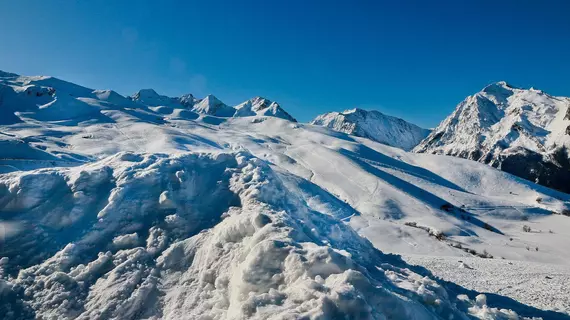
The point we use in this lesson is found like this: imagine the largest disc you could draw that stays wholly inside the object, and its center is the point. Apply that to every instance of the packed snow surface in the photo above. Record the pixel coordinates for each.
(151, 208)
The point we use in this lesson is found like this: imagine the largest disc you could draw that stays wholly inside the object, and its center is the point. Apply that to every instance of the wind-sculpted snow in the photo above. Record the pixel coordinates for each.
(195, 236)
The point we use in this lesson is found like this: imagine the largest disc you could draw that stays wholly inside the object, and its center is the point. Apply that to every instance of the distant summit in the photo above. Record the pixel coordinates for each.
(213, 106)
(374, 125)
(150, 97)
(262, 107)
(525, 132)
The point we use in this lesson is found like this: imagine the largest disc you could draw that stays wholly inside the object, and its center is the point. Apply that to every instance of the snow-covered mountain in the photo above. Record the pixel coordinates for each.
(114, 209)
(210, 105)
(523, 132)
(259, 106)
(149, 97)
(374, 125)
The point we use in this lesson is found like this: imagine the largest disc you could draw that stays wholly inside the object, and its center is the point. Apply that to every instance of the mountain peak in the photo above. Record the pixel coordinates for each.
(260, 106)
(145, 93)
(374, 125)
(502, 83)
(260, 103)
(361, 111)
(213, 106)
(258, 98)
(211, 100)
(499, 87)
(188, 100)
(509, 128)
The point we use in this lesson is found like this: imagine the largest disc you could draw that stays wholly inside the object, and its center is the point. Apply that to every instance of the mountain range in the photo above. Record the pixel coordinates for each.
(155, 207)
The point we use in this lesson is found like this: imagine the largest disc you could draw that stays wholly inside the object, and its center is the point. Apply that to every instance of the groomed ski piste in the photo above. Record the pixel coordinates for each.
(113, 209)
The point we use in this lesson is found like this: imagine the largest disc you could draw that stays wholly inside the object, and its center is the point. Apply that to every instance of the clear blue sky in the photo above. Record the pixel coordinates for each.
(412, 59)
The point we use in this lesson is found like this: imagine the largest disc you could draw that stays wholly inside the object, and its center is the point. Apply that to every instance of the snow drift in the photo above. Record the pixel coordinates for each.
(214, 236)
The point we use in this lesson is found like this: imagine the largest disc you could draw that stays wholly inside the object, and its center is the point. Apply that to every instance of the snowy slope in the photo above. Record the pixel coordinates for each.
(132, 212)
(374, 125)
(524, 132)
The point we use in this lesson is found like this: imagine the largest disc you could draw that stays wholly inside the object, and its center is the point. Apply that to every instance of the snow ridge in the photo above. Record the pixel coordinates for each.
(374, 125)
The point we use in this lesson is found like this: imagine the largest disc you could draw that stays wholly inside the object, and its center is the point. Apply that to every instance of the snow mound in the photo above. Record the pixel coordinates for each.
(192, 236)
(374, 125)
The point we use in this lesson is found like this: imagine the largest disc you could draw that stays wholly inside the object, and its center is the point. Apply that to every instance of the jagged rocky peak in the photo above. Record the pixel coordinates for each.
(374, 125)
(188, 100)
(260, 103)
(259, 106)
(514, 129)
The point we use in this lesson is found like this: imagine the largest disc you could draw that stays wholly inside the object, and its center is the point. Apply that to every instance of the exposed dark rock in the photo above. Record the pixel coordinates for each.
(531, 166)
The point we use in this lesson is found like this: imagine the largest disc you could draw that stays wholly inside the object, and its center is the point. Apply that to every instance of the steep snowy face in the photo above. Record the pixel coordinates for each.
(375, 126)
(524, 132)
(212, 106)
(262, 107)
